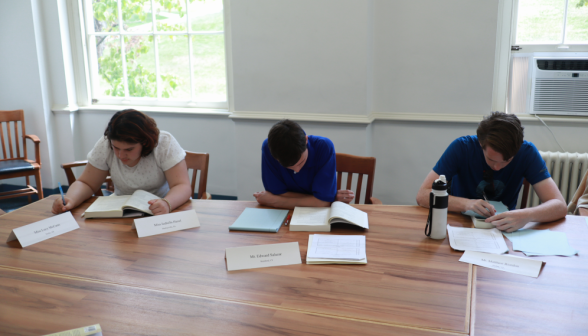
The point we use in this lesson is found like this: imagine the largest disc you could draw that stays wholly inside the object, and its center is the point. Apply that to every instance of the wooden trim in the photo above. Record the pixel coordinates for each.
(472, 302)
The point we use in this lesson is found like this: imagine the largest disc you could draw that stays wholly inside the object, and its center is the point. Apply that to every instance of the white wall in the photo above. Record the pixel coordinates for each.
(339, 60)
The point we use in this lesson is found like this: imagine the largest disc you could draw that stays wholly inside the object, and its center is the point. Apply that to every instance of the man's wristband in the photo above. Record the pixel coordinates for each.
(169, 205)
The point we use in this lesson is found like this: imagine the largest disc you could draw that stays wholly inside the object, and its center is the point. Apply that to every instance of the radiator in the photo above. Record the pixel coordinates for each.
(566, 169)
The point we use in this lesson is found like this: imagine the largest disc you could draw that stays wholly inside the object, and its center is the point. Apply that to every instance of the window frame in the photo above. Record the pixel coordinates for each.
(544, 47)
(505, 40)
(90, 74)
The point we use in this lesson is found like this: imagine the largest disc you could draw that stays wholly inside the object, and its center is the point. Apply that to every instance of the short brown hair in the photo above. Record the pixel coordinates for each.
(503, 132)
(287, 142)
(132, 126)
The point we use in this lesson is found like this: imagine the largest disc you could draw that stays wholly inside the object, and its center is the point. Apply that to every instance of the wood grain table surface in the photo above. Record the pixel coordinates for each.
(555, 303)
(411, 285)
(410, 281)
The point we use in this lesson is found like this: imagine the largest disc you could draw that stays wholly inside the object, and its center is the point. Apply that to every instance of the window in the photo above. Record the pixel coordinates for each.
(552, 30)
(156, 52)
(550, 23)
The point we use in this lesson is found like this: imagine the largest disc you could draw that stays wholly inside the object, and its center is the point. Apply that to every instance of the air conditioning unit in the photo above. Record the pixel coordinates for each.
(559, 86)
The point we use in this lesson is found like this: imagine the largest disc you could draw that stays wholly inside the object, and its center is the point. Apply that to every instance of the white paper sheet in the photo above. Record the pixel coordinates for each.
(42, 230)
(175, 221)
(246, 257)
(481, 240)
(337, 247)
(507, 263)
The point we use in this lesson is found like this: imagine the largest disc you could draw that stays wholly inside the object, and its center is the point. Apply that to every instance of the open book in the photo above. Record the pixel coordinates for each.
(134, 205)
(320, 219)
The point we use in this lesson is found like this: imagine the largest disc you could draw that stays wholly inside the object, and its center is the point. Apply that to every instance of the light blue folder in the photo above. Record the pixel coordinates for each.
(265, 220)
(499, 206)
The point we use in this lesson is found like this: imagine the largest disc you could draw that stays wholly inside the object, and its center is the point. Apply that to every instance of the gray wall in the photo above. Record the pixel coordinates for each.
(334, 65)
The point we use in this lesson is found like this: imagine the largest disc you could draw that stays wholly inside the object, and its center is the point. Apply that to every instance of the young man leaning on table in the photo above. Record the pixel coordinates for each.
(492, 165)
(298, 170)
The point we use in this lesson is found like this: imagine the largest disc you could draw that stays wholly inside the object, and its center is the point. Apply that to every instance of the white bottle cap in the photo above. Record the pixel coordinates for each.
(442, 179)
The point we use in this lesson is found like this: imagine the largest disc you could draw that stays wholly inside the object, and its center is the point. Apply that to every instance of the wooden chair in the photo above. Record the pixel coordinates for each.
(196, 162)
(71, 178)
(15, 163)
(360, 165)
(526, 187)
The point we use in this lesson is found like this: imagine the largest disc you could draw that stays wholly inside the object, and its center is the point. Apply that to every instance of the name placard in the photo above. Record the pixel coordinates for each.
(258, 256)
(42, 230)
(151, 226)
(501, 262)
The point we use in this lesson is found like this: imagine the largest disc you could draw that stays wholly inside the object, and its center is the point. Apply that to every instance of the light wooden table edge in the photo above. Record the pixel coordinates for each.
(241, 302)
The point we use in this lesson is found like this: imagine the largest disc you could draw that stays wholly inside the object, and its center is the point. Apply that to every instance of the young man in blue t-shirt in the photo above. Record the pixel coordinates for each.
(298, 170)
(492, 165)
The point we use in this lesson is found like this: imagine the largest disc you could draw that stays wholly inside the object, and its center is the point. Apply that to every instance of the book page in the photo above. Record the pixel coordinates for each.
(310, 216)
(139, 200)
(337, 247)
(481, 240)
(108, 203)
(340, 210)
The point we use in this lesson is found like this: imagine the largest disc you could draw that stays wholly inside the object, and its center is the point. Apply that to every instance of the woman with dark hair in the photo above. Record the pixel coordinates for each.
(138, 156)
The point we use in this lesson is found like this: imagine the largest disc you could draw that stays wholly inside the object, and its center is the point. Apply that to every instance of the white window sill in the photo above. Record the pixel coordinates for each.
(111, 109)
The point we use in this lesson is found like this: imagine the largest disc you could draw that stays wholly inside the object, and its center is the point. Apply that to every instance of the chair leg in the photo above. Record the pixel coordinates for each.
(28, 184)
(39, 184)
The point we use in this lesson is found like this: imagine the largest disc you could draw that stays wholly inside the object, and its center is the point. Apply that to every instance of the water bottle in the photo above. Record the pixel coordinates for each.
(438, 201)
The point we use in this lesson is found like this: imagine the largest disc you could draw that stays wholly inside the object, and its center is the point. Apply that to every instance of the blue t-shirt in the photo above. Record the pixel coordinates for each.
(463, 162)
(318, 176)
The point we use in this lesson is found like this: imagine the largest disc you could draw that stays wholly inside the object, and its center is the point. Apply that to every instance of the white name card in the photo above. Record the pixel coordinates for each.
(42, 230)
(501, 262)
(258, 256)
(151, 226)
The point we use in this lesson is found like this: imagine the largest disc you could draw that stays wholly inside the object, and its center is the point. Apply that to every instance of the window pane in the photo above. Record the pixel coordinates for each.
(137, 15)
(171, 15)
(206, 15)
(540, 21)
(105, 15)
(577, 23)
(208, 52)
(109, 66)
(174, 67)
(141, 81)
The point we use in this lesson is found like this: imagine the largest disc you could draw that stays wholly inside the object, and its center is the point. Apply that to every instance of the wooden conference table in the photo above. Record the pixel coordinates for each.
(177, 283)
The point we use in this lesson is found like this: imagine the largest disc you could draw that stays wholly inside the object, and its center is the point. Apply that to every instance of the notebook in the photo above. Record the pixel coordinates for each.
(264, 220)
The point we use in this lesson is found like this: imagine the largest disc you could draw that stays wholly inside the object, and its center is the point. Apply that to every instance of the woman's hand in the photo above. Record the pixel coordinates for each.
(159, 206)
(58, 206)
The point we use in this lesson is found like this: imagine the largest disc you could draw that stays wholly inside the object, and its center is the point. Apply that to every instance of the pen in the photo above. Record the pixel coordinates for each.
(61, 191)
(287, 220)
(485, 199)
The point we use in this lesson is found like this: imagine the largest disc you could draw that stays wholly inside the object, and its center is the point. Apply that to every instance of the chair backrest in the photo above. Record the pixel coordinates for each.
(71, 178)
(12, 141)
(195, 161)
(361, 165)
(198, 162)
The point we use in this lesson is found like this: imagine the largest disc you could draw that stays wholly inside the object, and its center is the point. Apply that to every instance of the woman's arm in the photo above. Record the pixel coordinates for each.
(90, 181)
(179, 190)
